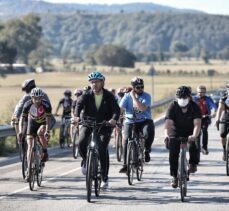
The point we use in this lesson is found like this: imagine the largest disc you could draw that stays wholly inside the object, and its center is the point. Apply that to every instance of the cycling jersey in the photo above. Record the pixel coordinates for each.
(225, 101)
(127, 104)
(38, 114)
(67, 106)
(21, 103)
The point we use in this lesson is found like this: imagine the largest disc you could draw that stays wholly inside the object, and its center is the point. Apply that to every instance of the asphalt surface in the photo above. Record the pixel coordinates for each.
(64, 187)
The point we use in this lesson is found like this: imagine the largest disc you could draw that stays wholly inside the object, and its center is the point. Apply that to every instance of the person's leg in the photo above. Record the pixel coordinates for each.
(43, 141)
(205, 134)
(104, 139)
(223, 135)
(193, 157)
(84, 135)
(148, 131)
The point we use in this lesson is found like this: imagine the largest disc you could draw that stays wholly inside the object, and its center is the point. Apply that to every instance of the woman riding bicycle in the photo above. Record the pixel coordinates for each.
(183, 119)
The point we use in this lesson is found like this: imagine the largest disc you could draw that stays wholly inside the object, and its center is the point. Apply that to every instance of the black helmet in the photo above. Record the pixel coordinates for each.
(183, 92)
(68, 93)
(28, 85)
(137, 81)
(78, 92)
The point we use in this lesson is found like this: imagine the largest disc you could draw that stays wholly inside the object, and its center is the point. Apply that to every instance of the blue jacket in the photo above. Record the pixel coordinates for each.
(209, 102)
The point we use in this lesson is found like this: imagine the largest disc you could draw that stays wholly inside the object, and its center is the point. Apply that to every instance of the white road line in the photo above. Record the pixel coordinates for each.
(45, 181)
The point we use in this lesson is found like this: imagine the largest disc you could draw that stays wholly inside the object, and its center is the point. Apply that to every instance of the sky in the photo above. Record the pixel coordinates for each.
(209, 6)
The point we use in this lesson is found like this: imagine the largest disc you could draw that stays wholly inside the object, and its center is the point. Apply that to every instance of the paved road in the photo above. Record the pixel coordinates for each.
(64, 185)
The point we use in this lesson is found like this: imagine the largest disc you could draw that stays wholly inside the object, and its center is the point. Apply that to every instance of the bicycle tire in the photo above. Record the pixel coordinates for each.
(98, 178)
(182, 179)
(24, 165)
(130, 162)
(227, 156)
(89, 175)
(119, 148)
(75, 148)
(40, 173)
(140, 163)
(32, 171)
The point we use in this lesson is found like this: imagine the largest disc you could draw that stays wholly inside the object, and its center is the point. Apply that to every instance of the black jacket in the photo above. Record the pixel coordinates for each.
(108, 109)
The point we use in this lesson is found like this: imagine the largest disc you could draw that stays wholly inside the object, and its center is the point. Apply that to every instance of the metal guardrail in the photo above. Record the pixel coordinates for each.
(8, 130)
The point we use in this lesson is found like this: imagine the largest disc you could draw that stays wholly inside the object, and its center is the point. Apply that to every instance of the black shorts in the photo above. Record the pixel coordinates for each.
(33, 127)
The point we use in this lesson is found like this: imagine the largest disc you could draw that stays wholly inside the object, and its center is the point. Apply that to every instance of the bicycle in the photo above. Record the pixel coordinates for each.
(36, 166)
(135, 154)
(93, 165)
(75, 135)
(183, 172)
(227, 147)
(65, 132)
(22, 144)
(118, 141)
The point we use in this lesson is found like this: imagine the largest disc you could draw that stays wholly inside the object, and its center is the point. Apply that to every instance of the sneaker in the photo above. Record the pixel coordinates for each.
(45, 157)
(147, 156)
(224, 155)
(192, 168)
(27, 176)
(83, 168)
(104, 185)
(174, 182)
(204, 151)
(123, 169)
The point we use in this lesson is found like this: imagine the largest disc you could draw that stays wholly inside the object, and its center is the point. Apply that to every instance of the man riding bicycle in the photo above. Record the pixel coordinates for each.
(183, 119)
(206, 104)
(26, 86)
(137, 102)
(38, 112)
(100, 104)
(223, 115)
(66, 103)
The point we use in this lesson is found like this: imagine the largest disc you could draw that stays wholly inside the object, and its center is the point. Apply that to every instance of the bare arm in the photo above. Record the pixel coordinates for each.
(197, 127)
(220, 111)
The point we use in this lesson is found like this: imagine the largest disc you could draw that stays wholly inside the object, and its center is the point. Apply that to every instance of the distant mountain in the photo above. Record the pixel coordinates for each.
(12, 8)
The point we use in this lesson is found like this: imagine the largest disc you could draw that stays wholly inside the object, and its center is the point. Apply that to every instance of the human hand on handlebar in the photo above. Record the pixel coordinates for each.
(112, 122)
(191, 138)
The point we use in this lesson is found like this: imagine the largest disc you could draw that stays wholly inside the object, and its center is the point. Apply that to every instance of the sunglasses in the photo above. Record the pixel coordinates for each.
(139, 87)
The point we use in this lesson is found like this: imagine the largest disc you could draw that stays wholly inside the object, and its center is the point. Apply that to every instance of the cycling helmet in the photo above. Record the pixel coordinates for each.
(28, 85)
(37, 92)
(78, 92)
(137, 81)
(183, 92)
(67, 92)
(96, 76)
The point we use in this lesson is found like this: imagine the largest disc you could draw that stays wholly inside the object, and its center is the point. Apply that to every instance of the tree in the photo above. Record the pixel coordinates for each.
(7, 53)
(23, 34)
(112, 55)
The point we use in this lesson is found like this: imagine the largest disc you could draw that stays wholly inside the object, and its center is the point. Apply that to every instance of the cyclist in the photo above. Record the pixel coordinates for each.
(100, 104)
(38, 112)
(183, 119)
(26, 86)
(137, 102)
(77, 93)
(223, 115)
(66, 103)
(206, 105)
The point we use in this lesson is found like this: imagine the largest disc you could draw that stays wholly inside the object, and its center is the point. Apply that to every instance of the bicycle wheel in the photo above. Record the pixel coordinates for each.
(24, 165)
(182, 179)
(227, 156)
(140, 163)
(130, 162)
(40, 167)
(98, 178)
(21, 152)
(119, 148)
(89, 175)
(75, 148)
(32, 171)
(40, 173)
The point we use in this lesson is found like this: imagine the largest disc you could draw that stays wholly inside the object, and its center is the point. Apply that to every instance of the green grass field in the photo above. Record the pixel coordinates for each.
(55, 83)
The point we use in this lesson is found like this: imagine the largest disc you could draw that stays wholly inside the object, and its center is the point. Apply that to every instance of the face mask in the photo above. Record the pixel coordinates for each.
(182, 102)
(66, 97)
